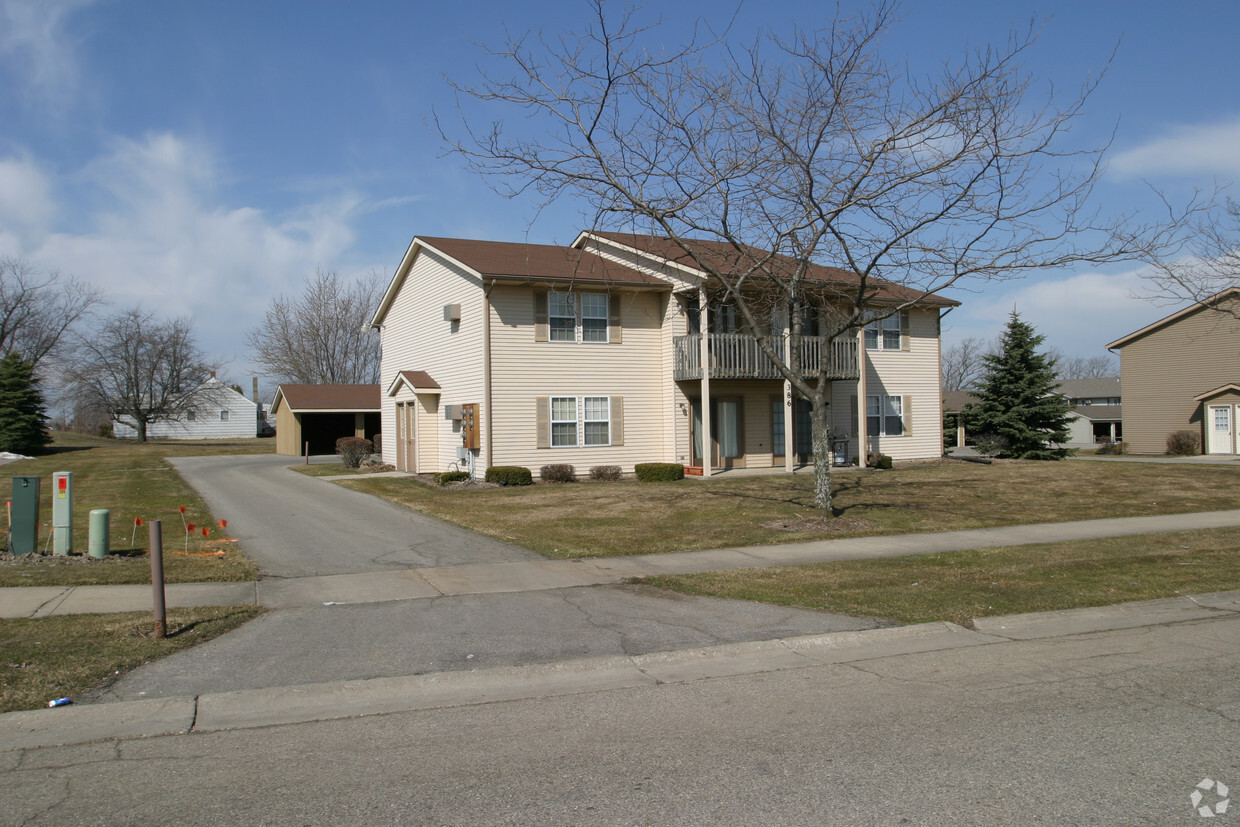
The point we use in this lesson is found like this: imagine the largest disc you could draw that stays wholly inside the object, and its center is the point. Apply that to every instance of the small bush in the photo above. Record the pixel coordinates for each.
(509, 475)
(354, 449)
(445, 477)
(990, 445)
(881, 461)
(605, 473)
(1183, 443)
(1113, 448)
(659, 471)
(557, 473)
(105, 430)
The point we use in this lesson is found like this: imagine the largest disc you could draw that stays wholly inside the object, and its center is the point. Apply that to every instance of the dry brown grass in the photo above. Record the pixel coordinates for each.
(593, 519)
(962, 585)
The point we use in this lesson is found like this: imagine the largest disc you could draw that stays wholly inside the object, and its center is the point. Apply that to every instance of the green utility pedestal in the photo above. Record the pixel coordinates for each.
(100, 532)
(24, 530)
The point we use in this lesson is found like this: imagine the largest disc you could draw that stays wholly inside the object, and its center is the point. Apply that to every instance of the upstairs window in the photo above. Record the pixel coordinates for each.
(890, 333)
(223, 416)
(575, 317)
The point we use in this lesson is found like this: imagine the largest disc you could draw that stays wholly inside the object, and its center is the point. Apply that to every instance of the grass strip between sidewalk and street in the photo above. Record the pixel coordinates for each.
(132, 481)
(64, 655)
(961, 585)
(597, 519)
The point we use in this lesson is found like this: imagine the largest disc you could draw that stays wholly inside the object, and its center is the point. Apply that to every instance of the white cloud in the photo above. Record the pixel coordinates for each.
(153, 231)
(1212, 149)
(25, 198)
(33, 38)
(1079, 314)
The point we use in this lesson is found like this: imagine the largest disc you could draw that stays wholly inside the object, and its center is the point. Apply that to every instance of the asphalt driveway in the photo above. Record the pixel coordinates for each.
(292, 525)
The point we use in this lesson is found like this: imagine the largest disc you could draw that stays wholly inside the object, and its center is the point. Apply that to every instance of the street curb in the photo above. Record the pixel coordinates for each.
(278, 706)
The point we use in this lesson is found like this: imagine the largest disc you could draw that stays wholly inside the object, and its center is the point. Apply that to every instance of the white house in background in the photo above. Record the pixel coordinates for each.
(1097, 413)
(499, 353)
(220, 413)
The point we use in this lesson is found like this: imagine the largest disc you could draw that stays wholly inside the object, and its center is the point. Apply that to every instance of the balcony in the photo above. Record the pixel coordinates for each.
(739, 356)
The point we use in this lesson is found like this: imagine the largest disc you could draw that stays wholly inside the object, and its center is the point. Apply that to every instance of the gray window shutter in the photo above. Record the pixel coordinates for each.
(615, 333)
(540, 317)
(905, 343)
(542, 418)
(906, 411)
(617, 420)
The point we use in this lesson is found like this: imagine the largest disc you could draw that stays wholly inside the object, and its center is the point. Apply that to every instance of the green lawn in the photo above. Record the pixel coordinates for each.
(132, 481)
(591, 519)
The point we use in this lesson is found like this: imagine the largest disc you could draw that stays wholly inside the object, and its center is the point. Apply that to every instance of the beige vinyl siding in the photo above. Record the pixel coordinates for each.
(416, 337)
(523, 370)
(912, 374)
(1163, 371)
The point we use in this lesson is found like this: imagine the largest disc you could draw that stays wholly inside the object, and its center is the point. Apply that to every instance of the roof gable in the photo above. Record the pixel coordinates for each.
(1230, 294)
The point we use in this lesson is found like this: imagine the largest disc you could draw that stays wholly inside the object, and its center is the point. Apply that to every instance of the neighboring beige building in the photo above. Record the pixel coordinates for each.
(317, 415)
(1180, 374)
(500, 353)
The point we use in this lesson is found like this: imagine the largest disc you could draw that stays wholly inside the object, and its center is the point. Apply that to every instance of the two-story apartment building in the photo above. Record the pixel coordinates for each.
(614, 351)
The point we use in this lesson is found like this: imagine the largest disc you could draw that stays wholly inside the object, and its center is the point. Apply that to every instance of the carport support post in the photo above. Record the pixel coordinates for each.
(157, 577)
(307, 453)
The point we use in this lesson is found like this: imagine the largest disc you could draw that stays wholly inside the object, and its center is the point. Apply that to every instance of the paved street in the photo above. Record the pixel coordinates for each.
(1114, 727)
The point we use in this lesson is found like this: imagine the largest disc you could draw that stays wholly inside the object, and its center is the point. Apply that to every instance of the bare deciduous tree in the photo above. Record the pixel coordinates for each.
(141, 370)
(38, 310)
(1085, 367)
(963, 365)
(797, 152)
(322, 336)
(1204, 264)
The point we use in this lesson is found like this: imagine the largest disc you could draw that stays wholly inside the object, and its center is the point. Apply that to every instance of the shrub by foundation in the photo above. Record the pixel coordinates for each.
(605, 473)
(509, 475)
(557, 473)
(445, 477)
(354, 449)
(659, 471)
(1183, 443)
(881, 461)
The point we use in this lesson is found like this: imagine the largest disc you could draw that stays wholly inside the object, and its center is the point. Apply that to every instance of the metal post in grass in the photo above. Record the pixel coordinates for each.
(157, 577)
(307, 453)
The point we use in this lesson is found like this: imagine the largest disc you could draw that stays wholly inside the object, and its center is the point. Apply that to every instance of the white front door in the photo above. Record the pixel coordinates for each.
(1221, 430)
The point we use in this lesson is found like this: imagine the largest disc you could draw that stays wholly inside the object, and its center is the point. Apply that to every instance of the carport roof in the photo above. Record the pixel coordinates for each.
(325, 398)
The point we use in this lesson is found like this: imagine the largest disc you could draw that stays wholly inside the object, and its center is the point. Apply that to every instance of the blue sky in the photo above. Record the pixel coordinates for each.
(204, 157)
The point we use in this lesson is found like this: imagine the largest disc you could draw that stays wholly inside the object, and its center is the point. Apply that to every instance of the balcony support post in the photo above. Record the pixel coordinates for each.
(704, 328)
(789, 436)
(863, 425)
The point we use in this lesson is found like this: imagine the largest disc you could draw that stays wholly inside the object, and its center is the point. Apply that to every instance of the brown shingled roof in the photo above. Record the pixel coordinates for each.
(541, 262)
(330, 397)
(724, 256)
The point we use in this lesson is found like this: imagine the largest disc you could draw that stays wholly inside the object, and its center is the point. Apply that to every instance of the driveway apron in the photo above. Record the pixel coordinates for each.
(296, 526)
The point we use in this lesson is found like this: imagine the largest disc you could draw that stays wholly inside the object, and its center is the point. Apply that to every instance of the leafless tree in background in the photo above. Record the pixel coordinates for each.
(322, 336)
(39, 309)
(1085, 367)
(811, 148)
(963, 364)
(141, 370)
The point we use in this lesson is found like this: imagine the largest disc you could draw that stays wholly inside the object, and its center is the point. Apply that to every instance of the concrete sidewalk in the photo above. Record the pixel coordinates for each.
(278, 706)
(538, 575)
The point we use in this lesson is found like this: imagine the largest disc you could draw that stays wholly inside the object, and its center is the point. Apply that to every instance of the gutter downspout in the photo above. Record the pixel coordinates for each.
(704, 356)
(486, 373)
(862, 422)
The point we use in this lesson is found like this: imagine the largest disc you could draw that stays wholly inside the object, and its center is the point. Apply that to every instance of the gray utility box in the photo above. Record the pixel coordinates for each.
(24, 529)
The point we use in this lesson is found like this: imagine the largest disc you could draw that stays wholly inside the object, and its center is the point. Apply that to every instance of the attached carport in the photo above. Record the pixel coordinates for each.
(321, 414)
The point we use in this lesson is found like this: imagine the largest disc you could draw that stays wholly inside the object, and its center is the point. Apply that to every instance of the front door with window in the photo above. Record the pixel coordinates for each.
(1221, 429)
(404, 437)
(726, 437)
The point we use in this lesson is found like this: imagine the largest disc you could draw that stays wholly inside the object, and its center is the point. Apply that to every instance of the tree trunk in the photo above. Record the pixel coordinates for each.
(820, 429)
(141, 426)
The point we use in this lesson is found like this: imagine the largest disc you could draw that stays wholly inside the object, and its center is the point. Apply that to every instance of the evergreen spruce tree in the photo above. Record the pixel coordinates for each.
(23, 421)
(1018, 404)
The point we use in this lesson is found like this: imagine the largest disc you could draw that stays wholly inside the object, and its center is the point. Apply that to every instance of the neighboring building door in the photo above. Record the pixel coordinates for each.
(1221, 430)
(405, 445)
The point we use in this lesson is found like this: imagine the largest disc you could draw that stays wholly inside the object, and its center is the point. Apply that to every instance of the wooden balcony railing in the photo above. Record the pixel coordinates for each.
(739, 356)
